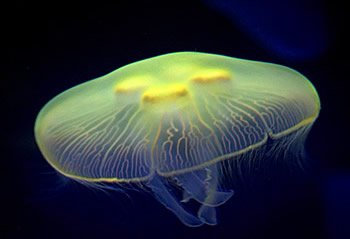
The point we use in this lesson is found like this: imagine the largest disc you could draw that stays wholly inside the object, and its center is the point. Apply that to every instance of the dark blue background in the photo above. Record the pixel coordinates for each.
(52, 47)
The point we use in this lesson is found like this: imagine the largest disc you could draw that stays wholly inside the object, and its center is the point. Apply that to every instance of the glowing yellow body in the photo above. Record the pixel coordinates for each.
(175, 115)
(170, 114)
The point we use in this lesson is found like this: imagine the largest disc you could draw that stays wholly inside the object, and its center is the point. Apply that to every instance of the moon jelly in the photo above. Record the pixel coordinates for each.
(176, 119)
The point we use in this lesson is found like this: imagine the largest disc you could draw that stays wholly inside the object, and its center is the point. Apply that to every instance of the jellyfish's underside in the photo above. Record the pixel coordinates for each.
(173, 116)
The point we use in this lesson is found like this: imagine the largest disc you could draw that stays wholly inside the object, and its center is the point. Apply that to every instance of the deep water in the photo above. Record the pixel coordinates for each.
(54, 47)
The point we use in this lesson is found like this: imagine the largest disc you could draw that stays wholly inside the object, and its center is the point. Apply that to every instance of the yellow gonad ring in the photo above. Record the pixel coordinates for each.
(163, 94)
(211, 76)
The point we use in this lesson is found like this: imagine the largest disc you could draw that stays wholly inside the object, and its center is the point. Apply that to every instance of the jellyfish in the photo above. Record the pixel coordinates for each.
(175, 119)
